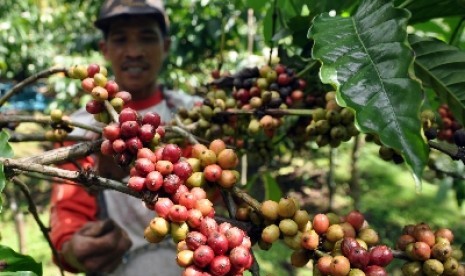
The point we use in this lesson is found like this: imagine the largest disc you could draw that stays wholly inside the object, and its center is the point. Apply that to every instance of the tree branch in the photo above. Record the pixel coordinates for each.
(86, 178)
(15, 89)
(456, 153)
(39, 137)
(44, 120)
(111, 110)
(252, 202)
(32, 208)
(64, 153)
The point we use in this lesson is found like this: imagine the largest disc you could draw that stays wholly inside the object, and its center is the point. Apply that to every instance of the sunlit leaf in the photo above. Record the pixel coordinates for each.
(272, 190)
(19, 263)
(367, 58)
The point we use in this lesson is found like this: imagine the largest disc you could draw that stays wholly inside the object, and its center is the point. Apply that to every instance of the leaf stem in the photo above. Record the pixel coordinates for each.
(456, 31)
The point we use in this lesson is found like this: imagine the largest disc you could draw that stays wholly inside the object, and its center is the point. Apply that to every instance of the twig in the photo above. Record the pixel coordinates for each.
(15, 89)
(32, 208)
(114, 115)
(270, 111)
(88, 179)
(47, 178)
(330, 178)
(456, 153)
(252, 202)
(255, 269)
(21, 137)
(64, 153)
(192, 139)
(44, 120)
(229, 202)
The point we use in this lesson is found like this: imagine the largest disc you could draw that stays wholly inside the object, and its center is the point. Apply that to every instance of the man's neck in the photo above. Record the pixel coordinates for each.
(143, 93)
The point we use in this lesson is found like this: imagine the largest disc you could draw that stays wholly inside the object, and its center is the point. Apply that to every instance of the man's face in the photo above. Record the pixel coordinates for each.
(136, 48)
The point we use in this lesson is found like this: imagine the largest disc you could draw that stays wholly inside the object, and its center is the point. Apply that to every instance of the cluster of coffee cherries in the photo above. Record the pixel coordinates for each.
(448, 125)
(94, 81)
(206, 119)
(124, 139)
(430, 252)
(346, 246)
(250, 89)
(185, 212)
(333, 124)
(60, 127)
(386, 153)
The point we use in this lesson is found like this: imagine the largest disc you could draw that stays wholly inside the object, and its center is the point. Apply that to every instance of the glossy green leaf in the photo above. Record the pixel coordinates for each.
(19, 263)
(441, 66)
(423, 10)
(5, 151)
(367, 58)
(272, 190)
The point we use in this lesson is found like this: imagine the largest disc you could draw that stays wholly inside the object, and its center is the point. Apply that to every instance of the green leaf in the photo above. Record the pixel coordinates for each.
(17, 262)
(5, 151)
(256, 5)
(423, 10)
(367, 58)
(441, 66)
(272, 190)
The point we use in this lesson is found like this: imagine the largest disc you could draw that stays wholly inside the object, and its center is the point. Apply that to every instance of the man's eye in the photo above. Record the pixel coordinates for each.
(118, 39)
(151, 38)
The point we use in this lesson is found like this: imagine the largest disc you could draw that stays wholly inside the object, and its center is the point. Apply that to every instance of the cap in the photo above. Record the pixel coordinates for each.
(113, 8)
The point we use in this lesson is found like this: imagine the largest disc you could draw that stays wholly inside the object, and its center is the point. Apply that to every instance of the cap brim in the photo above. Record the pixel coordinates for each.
(103, 22)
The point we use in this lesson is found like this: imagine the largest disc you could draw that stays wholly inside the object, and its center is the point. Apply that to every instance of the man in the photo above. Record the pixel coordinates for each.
(104, 233)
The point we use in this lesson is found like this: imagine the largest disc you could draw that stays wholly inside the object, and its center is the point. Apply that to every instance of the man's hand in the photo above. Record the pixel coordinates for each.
(98, 246)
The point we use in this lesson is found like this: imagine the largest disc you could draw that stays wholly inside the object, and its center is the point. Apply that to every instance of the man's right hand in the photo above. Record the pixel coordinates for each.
(97, 247)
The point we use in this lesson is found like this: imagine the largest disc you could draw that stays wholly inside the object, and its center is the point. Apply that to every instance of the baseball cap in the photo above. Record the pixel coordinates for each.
(114, 8)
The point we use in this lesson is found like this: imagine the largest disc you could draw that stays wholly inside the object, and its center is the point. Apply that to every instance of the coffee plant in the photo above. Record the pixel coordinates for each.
(350, 69)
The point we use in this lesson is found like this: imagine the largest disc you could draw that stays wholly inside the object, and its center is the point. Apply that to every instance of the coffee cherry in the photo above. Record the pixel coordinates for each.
(203, 256)
(218, 242)
(160, 226)
(227, 159)
(288, 227)
(441, 251)
(286, 208)
(340, 266)
(320, 223)
(300, 258)
(163, 206)
(94, 107)
(412, 268)
(310, 240)
(359, 257)
(154, 181)
(445, 233)
(356, 219)
(220, 265)
(212, 172)
(433, 267)
(374, 270)
(334, 233)
(240, 257)
(194, 239)
(347, 244)
(324, 264)
(369, 236)
(136, 183)
(269, 210)
(380, 255)
(270, 233)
